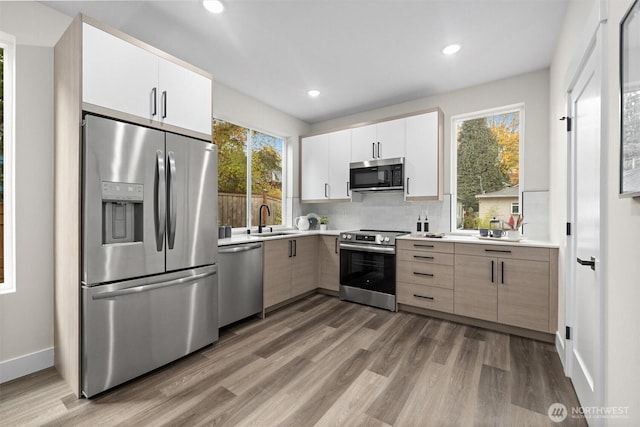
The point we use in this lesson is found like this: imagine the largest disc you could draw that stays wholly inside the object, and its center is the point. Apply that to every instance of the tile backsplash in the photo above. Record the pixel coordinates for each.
(383, 211)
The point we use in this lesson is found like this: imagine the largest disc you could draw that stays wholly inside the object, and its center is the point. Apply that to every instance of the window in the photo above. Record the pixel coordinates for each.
(250, 171)
(7, 58)
(486, 165)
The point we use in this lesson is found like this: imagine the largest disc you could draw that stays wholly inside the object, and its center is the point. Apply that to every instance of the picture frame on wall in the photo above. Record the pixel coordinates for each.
(630, 102)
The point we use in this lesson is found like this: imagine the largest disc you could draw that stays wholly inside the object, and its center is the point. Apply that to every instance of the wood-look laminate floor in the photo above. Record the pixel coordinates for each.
(323, 362)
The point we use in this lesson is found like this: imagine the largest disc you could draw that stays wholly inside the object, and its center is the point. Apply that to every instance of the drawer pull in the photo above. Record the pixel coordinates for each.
(497, 250)
(422, 257)
(423, 297)
(423, 274)
(422, 246)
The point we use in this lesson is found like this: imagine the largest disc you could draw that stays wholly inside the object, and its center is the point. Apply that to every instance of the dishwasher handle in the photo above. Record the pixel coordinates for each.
(152, 287)
(240, 248)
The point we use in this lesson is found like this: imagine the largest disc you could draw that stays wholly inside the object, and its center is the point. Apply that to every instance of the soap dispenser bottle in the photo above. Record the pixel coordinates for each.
(419, 225)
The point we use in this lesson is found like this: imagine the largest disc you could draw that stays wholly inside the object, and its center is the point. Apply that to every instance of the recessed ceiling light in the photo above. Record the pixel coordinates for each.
(213, 6)
(314, 93)
(451, 49)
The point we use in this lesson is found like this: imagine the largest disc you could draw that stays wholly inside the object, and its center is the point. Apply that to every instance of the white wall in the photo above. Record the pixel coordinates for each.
(621, 247)
(532, 89)
(27, 314)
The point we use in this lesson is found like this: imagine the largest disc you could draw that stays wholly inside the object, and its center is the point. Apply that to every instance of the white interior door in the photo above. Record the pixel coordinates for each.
(585, 297)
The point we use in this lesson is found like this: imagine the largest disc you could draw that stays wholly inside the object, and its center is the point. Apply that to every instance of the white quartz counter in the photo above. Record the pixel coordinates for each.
(455, 238)
(248, 238)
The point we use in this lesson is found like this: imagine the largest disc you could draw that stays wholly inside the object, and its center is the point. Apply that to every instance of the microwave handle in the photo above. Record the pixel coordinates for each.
(408, 192)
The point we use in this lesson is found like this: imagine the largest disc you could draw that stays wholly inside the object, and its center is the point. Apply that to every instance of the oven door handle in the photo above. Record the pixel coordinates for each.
(366, 248)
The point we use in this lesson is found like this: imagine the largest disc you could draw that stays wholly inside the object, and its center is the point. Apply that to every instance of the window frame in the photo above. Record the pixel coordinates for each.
(8, 44)
(453, 185)
(248, 149)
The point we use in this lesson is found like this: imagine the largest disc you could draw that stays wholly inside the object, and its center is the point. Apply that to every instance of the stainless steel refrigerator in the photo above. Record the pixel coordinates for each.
(149, 246)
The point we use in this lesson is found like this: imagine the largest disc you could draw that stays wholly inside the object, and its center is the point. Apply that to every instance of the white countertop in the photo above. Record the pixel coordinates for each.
(236, 239)
(457, 238)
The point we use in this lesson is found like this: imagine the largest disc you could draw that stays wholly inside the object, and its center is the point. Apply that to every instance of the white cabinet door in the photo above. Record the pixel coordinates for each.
(338, 164)
(184, 97)
(314, 168)
(390, 139)
(117, 74)
(363, 143)
(422, 156)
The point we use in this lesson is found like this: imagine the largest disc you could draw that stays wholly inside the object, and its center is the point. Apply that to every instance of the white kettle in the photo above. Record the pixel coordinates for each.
(302, 223)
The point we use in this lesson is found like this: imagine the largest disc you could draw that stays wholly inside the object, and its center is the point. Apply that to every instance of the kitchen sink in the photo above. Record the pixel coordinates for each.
(272, 234)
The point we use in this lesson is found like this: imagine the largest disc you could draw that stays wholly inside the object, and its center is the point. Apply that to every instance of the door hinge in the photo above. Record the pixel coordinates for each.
(568, 229)
(567, 333)
(568, 119)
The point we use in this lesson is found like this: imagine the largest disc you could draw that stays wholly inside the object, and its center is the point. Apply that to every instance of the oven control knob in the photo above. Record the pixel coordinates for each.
(379, 238)
(344, 236)
(386, 239)
(348, 236)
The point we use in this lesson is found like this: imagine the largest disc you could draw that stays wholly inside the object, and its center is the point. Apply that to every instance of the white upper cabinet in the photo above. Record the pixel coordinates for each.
(184, 97)
(127, 78)
(383, 140)
(325, 167)
(423, 157)
(339, 159)
(314, 167)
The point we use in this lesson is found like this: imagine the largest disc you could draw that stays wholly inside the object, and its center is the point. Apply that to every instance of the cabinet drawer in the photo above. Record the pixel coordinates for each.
(425, 245)
(420, 257)
(503, 251)
(425, 274)
(425, 296)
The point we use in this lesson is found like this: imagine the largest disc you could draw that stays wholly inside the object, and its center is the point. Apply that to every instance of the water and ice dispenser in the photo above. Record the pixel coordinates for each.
(122, 207)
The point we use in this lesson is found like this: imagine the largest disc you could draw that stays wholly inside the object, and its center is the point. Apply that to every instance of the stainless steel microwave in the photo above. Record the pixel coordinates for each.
(377, 175)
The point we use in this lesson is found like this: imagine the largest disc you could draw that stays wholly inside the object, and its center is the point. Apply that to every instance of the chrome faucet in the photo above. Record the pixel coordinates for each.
(260, 215)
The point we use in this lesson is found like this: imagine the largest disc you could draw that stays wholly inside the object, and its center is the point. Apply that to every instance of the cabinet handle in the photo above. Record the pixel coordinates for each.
(497, 250)
(154, 102)
(423, 297)
(373, 149)
(378, 149)
(295, 247)
(325, 190)
(502, 272)
(492, 264)
(422, 257)
(290, 248)
(422, 246)
(408, 192)
(164, 104)
(335, 245)
(423, 274)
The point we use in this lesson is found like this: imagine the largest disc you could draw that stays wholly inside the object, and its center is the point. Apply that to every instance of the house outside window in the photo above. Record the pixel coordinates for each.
(486, 165)
(250, 174)
(7, 72)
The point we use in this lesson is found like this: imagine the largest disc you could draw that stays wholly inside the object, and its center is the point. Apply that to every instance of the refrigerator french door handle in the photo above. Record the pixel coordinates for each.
(152, 287)
(172, 198)
(160, 201)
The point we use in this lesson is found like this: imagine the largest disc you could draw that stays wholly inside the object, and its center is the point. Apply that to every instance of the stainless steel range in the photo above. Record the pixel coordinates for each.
(368, 267)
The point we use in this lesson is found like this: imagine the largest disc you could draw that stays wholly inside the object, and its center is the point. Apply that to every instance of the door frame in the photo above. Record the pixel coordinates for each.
(564, 346)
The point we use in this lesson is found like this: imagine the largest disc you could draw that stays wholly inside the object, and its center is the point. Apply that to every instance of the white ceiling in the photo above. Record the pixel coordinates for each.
(360, 54)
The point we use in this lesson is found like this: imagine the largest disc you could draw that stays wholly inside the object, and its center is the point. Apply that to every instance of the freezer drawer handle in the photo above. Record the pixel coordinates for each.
(153, 287)
(160, 215)
(171, 183)
(237, 249)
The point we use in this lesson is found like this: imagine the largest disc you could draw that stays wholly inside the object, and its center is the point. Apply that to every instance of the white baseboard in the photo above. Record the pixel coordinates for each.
(560, 349)
(25, 365)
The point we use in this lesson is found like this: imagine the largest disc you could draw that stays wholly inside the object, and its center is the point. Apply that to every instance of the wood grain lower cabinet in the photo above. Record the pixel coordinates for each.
(492, 284)
(329, 256)
(290, 268)
(425, 275)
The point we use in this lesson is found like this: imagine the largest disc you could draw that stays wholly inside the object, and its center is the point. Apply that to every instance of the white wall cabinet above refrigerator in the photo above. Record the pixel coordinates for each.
(384, 140)
(123, 76)
(424, 156)
(325, 167)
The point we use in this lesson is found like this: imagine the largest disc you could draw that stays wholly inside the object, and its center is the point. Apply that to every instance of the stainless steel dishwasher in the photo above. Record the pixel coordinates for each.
(239, 282)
